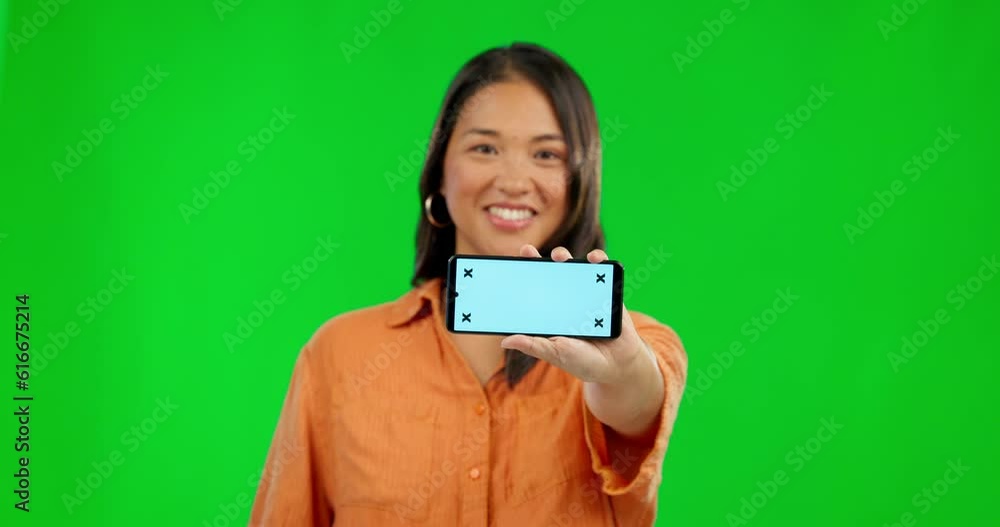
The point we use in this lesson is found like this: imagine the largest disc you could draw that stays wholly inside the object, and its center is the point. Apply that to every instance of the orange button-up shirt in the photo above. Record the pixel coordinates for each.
(386, 424)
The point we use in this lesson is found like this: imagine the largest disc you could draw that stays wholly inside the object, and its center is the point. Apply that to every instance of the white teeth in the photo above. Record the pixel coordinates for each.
(511, 214)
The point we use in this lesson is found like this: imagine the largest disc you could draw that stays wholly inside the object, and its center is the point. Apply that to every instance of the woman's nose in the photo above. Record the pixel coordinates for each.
(512, 177)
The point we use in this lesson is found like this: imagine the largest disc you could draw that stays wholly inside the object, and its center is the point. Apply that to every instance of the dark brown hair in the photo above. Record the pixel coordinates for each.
(580, 231)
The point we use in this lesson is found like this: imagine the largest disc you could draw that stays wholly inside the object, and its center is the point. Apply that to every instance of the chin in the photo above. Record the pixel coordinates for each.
(491, 243)
(507, 249)
(513, 248)
(495, 248)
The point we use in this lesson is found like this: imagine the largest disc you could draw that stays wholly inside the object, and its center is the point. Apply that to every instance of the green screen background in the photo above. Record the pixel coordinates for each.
(671, 135)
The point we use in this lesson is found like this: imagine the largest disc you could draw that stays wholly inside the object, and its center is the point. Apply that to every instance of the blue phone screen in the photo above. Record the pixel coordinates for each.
(533, 297)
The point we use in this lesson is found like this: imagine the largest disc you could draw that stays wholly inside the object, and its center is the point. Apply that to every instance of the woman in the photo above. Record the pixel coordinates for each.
(392, 420)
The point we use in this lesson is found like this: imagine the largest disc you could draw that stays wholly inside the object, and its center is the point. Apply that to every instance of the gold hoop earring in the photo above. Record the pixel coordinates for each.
(428, 205)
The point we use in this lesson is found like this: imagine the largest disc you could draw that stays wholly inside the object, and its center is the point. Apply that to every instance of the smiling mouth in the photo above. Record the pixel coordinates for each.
(511, 213)
(510, 218)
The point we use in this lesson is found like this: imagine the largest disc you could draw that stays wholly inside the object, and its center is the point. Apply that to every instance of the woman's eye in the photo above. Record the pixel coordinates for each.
(547, 155)
(484, 149)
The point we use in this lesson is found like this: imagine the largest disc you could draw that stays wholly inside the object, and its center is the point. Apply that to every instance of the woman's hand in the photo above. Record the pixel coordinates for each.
(602, 361)
(623, 386)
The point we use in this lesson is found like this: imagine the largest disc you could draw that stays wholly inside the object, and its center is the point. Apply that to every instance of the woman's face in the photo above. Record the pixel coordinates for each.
(505, 171)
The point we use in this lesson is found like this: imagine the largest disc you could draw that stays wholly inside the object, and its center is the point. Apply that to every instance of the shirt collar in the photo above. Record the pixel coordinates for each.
(421, 300)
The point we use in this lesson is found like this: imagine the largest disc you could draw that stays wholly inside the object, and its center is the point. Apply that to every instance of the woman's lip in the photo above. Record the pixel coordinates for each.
(512, 207)
(509, 225)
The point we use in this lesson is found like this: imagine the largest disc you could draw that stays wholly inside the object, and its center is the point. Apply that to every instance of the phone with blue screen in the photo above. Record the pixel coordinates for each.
(504, 295)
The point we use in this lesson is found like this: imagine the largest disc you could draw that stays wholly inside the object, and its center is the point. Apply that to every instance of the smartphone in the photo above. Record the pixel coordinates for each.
(503, 295)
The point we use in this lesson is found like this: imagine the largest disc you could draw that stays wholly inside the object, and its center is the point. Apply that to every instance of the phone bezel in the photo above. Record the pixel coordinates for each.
(617, 286)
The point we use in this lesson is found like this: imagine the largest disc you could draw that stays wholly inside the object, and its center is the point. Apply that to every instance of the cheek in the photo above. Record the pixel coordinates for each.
(452, 180)
(462, 179)
(554, 188)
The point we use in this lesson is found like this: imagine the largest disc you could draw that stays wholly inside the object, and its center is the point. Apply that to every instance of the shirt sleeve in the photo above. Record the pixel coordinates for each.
(632, 470)
(292, 489)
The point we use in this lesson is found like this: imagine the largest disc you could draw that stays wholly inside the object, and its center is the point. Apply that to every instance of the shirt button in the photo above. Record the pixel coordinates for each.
(480, 409)
(474, 473)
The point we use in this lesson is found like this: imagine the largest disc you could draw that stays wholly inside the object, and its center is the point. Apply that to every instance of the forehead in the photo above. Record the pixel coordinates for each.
(516, 108)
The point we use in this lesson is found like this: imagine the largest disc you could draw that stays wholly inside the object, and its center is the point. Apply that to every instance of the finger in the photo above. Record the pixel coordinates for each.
(529, 251)
(517, 342)
(597, 256)
(561, 254)
(627, 324)
(564, 353)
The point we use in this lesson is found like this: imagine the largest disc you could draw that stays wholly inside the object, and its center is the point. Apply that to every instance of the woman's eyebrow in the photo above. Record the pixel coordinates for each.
(547, 137)
(482, 131)
(493, 133)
